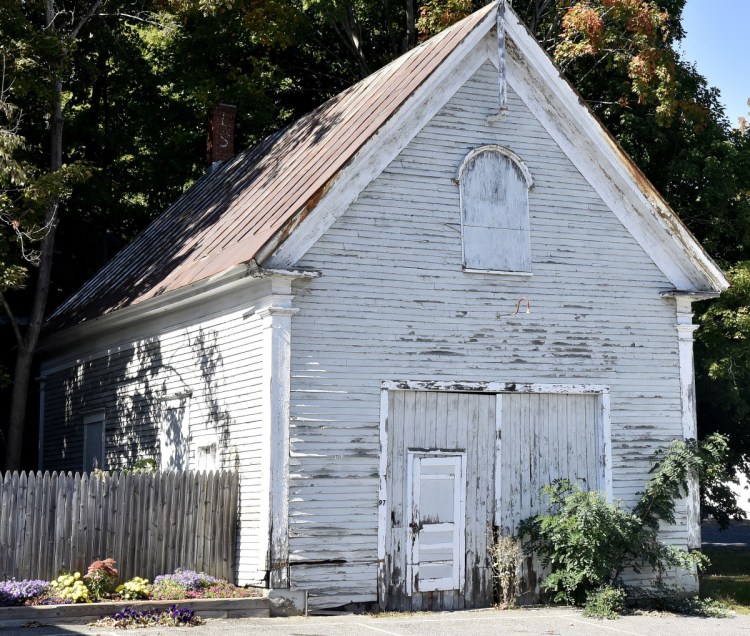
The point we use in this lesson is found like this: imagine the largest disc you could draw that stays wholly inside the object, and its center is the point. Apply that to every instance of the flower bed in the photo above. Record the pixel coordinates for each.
(130, 617)
(88, 612)
(75, 597)
(74, 588)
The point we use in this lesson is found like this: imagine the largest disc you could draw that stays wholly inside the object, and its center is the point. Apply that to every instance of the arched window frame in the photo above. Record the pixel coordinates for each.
(529, 182)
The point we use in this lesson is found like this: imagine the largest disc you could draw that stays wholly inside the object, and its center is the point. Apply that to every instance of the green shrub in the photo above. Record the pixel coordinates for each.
(588, 543)
(607, 602)
(682, 460)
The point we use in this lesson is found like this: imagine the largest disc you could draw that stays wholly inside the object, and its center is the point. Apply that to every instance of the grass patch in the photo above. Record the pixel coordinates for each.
(728, 579)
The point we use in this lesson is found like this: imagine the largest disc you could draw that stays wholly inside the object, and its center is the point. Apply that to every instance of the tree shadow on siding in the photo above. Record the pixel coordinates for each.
(210, 362)
(122, 385)
(144, 395)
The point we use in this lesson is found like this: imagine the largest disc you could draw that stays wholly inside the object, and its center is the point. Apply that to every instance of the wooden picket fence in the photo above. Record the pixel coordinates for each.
(149, 523)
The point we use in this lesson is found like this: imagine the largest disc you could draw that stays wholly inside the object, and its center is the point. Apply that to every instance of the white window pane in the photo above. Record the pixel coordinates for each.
(497, 249)
(436, 500)
(93, 443)
(494, 193)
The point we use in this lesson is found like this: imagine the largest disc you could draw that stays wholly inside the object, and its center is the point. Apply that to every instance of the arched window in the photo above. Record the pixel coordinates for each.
(494, 187)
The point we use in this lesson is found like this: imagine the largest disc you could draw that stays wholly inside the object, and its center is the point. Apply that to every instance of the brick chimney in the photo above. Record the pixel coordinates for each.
(220, 142)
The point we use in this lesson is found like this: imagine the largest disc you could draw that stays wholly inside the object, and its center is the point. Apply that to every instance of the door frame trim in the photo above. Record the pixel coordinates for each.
(490, 387)
(460, 522)
(603, 390)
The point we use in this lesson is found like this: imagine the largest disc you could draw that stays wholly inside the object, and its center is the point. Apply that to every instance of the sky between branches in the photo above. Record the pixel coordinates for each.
(718, 41)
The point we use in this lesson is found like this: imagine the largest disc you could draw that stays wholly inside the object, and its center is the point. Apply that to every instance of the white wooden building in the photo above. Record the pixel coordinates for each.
(397, 320)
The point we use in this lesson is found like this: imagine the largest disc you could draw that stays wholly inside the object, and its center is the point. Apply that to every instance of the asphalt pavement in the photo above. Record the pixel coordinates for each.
(543, 622)
(735, 538)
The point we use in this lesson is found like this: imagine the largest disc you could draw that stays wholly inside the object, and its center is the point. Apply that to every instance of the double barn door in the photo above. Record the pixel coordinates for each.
(462, 466)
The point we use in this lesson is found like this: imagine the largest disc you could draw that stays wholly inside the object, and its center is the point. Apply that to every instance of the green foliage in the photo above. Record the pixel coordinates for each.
(32, 59)
(629, 38)
(12, 276)
(722, 378)
(145, 465)
(588, 543)
(371, 33)
(15, 175)
(606, 602)
(436, 15)
(671, 474)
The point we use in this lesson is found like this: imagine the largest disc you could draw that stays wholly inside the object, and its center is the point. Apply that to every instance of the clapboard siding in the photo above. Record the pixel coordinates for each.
(213, 358)
(394, 303)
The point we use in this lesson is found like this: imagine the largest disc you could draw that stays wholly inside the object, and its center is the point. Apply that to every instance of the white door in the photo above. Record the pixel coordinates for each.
(436, 513)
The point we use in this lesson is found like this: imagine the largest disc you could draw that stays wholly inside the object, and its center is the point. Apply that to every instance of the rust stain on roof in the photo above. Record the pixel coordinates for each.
(261, 195)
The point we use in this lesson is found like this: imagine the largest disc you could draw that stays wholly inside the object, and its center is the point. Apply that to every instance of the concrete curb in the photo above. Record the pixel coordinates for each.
(87, 612)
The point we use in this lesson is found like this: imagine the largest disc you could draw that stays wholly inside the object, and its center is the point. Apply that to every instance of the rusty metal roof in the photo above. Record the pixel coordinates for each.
(230, 214)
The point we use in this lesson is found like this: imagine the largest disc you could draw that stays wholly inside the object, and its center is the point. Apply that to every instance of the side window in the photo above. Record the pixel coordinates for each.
(93, 441)
(494, 188)
(207, 456)
(174, 434)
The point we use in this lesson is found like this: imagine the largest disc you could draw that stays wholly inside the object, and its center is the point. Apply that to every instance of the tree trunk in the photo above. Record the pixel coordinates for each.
(410, 37)
(14, 434)
(26, 349)
(389, 30)
(351, 28)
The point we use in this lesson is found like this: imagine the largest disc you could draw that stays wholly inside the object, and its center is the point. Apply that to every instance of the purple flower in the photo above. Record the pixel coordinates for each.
(131, 617)
(187, 579)
(14, 592)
